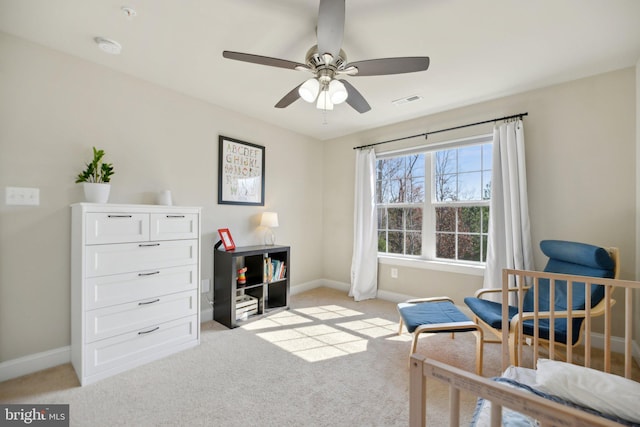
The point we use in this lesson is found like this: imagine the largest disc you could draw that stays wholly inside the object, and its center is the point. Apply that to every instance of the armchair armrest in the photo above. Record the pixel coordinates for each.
(483, 291)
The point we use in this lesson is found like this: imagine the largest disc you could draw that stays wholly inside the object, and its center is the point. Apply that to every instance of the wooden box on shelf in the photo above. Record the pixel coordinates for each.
(246, 305)
(266, 280)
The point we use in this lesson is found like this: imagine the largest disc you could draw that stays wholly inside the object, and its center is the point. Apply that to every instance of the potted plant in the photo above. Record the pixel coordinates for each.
(96, 178)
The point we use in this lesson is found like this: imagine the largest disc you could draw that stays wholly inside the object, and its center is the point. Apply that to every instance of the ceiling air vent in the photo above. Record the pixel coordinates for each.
(401, 101)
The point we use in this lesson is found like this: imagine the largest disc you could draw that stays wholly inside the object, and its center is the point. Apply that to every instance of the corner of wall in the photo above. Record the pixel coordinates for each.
(637, 258)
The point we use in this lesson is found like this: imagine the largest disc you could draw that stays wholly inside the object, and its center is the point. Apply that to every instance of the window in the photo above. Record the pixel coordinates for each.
(435, 204)
(401, 195)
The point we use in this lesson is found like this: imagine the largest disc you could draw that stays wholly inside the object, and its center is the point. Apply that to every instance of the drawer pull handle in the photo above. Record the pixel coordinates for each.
(175, 216)
(142, 245)
(149, 274)
(149, 302)
(118, 216)
(149, 331)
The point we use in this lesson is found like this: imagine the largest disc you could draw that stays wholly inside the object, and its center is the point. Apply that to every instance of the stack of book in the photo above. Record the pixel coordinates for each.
(274, 269)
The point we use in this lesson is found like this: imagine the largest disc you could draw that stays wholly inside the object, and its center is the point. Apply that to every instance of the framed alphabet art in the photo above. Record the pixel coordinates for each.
(240, 172)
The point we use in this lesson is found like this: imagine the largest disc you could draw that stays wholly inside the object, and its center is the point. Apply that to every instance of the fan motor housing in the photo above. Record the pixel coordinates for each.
(316, 61)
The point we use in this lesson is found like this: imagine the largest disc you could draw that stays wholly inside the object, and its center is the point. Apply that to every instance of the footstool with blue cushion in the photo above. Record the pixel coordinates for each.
(437, 315)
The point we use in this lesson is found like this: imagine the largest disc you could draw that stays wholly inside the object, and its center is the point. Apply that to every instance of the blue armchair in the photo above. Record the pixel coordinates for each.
(565, 258)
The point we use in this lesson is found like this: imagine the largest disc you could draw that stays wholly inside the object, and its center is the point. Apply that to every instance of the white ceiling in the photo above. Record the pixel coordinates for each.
(479, 50)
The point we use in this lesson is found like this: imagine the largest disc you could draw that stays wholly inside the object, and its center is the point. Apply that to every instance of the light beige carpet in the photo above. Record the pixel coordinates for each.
(328, 361)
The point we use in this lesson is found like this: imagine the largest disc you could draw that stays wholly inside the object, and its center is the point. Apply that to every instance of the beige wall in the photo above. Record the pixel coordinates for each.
(54, 108)
(580, 149)
(581, 156)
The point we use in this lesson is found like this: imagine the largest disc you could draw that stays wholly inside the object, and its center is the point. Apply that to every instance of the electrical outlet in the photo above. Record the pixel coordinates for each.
(394, 273)
(22, 196)
(205, 286)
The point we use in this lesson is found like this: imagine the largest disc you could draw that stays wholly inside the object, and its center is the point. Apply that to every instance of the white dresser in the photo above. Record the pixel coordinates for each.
(135, 285)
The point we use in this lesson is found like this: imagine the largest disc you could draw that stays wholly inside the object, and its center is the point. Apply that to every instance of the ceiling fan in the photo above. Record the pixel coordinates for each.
(326, 61)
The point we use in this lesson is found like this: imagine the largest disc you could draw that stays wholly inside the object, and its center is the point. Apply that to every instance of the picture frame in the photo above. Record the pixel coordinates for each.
(227, 240)
(241, 170)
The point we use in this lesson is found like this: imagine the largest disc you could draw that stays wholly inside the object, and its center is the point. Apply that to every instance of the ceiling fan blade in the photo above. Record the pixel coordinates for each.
(355, 99)
(262, 60)
(379, 67)
(289, 98)
(330, 26)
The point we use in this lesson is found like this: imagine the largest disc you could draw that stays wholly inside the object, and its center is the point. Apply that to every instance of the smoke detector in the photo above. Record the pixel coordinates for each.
(108, 45)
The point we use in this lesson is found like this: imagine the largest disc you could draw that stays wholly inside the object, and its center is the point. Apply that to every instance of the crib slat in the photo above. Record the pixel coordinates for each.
(417, 392)
(496, 415)
(587, 327)
(607, 329)
(628, 330)
(569, 320)
(536, 319)
(454, 406)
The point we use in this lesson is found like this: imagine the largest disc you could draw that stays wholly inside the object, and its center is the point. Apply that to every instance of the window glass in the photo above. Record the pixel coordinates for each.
(436, 204)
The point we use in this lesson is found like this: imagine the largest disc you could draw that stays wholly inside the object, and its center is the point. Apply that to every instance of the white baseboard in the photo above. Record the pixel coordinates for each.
(34, 362)
(617, 345)
(206, 314)
(307, 286)
(393, 296)
(333, 284)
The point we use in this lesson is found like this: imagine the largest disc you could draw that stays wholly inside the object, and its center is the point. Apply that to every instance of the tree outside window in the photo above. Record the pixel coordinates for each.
(457, 200)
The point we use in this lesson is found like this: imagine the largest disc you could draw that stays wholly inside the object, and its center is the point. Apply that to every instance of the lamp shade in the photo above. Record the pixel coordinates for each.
(309, 90)
(269, 219)
(324, 101)
(337, 92)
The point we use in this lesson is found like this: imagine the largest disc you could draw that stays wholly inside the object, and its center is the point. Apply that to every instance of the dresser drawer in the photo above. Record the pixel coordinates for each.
(104, 291)
(118, 319)
(116, 228)
(125, 350)
(102, 260)
(173, 226)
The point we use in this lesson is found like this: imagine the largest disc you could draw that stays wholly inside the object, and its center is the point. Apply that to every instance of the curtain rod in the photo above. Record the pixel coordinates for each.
(426, 134)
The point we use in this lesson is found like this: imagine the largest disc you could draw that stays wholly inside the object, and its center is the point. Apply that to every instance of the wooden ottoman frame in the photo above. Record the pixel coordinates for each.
(453, 327)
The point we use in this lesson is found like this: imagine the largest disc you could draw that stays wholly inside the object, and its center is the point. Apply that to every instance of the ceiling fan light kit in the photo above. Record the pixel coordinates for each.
(337, 92)
(309, 90)
(327, 60)
(324, 101)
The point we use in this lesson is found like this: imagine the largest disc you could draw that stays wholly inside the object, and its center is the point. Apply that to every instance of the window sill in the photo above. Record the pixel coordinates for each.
(473, 270)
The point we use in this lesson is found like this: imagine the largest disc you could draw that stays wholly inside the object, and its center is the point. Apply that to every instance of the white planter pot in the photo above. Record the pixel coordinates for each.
(96, 192)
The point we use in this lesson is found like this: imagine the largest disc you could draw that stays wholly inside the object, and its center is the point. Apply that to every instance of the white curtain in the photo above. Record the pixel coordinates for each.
(364, 264)
(509, 244)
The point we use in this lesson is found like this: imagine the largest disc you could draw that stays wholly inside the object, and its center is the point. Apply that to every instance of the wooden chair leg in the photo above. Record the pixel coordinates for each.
(414, 344)
(513, 349)
(479, 350)
(400, 324)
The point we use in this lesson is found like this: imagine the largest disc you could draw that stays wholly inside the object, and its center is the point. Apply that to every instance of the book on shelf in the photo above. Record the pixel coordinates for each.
(274, 269)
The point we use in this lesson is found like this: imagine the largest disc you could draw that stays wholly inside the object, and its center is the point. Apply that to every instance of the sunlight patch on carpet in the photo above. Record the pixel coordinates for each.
(374, 327)
(314, 343)
(283, 318)
(327, 312)
(319, 340)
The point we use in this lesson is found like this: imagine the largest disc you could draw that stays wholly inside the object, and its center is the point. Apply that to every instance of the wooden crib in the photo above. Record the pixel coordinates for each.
(515, 346)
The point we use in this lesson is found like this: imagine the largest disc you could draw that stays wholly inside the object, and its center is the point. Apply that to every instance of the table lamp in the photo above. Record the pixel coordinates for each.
(269, 220)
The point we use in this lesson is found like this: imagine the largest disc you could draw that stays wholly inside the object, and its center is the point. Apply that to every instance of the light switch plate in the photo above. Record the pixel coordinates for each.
(22, 196)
